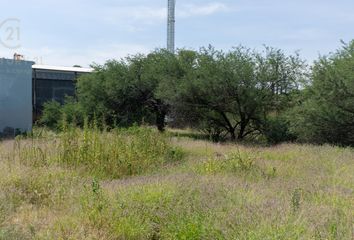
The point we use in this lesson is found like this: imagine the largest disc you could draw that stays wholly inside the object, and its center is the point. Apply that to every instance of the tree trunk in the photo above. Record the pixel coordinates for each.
(161, 112)
(242, 131)
(160, 109)
(229, 126)
(160, 120)
(233, 135)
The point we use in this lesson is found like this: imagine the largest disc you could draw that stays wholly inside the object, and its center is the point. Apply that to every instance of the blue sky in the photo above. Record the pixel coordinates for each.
(69, 32)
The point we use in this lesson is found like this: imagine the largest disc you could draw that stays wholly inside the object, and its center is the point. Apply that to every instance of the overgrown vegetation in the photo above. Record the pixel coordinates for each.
(114, 154)
(241, 94)
(234, 93)
(326, 114)
(132, 184)
(94, 168)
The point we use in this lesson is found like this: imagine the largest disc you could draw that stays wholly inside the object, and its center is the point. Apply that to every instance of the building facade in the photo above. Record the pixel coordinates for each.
(53, 84)
(25, 87)
(15, 96)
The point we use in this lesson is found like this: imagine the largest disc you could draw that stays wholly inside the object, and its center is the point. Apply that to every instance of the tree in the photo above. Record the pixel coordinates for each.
(239, 93)
(148, 73)
(327, 115)
(126, 91)
(109, 93)
(233, 93)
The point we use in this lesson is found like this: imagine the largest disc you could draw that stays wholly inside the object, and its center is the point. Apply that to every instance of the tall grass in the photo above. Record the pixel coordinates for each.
(95, 184)
(106, 154)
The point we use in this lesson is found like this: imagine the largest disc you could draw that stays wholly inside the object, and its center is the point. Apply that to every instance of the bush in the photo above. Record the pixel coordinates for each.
(54, 113)
(73, 112)
(277, 131)
(51, 115)
(235, 162)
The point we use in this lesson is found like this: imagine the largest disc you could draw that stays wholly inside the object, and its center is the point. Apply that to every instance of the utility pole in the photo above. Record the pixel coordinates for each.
(171, 20)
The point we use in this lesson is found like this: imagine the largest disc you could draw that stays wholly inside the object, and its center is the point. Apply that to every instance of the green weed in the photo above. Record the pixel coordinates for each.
(235, 162)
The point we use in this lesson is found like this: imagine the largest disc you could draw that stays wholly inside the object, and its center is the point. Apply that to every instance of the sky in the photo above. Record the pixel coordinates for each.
(82, 32)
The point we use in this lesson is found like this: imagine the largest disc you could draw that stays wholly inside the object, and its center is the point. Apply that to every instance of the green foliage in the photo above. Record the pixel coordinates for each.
(73, 113)
(114, 154)
(326, 115)
(150, 211)
(126, 92)
(238, 94)
(235, 162)
(286, 191)
(213, 131)
(51, 114)
(277, 130)
(232, 93)
(54, 113)
(105, 154)
(95, 204)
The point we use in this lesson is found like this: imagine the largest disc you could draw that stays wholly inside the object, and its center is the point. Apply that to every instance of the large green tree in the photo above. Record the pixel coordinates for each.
(125, 92)
(232, 93)
(327, 114)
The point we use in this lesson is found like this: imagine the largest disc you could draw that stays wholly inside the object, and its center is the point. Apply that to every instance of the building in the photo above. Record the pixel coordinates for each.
(53, 83)
(25, 87)
(15, 96)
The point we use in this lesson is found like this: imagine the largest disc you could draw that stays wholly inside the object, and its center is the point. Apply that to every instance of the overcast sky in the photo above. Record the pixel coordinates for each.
(69, 32)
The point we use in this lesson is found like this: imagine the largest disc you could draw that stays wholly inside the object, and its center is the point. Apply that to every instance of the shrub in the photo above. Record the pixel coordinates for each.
(54, 113)
(73, 112)
(234, 162)
(51, 115)
(114, 154)
(277, 131)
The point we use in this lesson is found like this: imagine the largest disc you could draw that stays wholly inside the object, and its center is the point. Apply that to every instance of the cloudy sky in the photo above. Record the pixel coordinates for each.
(69, 32)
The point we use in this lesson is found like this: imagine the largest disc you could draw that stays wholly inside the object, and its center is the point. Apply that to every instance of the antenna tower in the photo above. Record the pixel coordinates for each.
(171, 26)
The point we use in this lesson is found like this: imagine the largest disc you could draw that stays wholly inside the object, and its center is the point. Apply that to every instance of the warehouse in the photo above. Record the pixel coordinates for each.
(53, 83)
(25, 87)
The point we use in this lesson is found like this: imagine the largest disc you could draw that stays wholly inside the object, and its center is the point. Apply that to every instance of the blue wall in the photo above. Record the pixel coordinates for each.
(15, 95)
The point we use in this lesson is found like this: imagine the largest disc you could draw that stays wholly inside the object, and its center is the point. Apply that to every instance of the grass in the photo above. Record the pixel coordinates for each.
(139, 184)
(103, 154)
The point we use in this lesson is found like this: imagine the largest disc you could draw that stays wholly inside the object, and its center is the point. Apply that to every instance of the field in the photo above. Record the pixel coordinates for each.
(138, 184)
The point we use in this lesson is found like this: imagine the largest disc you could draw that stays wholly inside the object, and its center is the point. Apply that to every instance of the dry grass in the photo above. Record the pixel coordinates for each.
(219, 191)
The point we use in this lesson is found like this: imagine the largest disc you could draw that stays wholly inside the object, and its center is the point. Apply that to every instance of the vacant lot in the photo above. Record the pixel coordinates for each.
(137, 184)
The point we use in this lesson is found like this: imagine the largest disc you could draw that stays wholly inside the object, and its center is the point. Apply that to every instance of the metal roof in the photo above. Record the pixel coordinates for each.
(64, 69)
